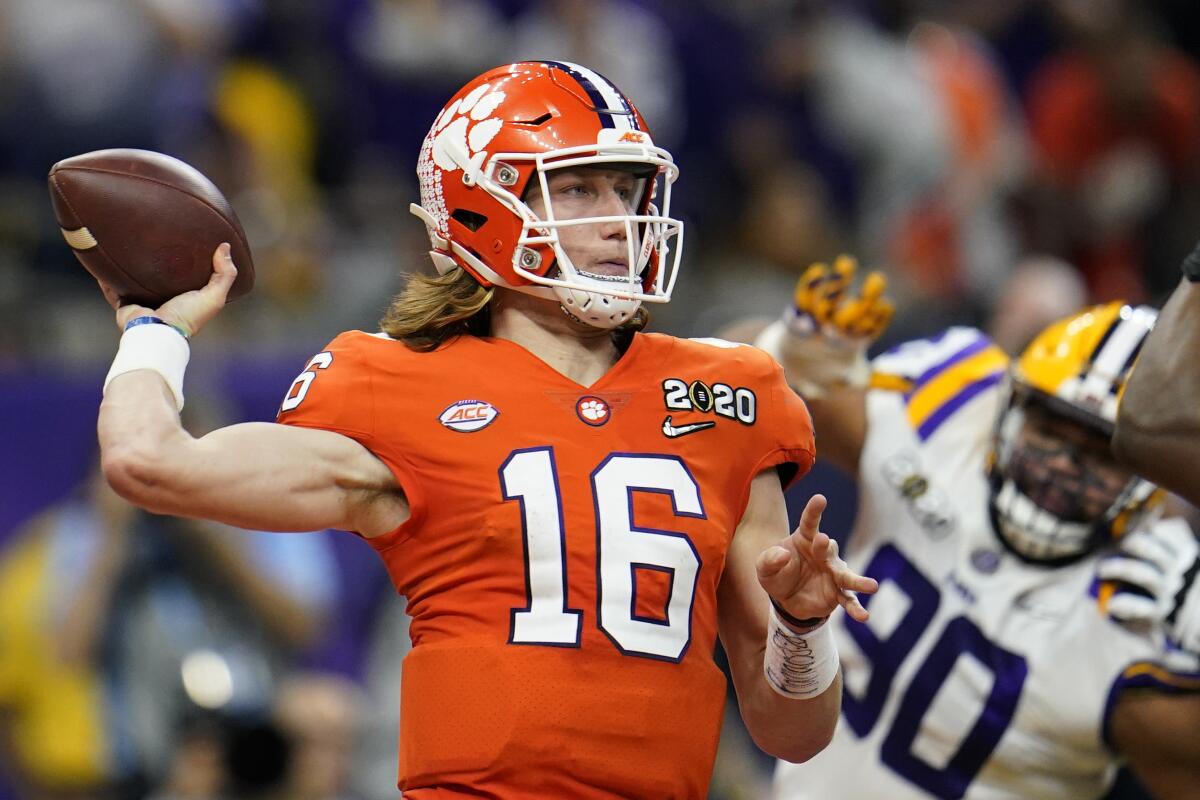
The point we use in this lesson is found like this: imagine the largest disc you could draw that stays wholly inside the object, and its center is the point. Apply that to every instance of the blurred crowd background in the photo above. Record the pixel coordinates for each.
(1003, 161)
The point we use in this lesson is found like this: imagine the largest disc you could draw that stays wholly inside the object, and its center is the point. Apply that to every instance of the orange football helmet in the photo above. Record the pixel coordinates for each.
(508, 127)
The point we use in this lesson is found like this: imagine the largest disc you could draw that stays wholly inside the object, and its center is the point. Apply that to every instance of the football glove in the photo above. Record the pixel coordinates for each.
(1153, 575)
(822, 339)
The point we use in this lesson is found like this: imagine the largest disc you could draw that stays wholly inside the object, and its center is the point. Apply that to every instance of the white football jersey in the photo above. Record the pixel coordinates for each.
(978, 675)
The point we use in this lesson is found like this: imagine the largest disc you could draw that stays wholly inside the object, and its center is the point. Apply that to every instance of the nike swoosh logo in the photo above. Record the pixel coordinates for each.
(683, 430)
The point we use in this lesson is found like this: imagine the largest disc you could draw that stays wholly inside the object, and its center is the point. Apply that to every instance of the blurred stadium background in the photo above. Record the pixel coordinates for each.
(1003, 161)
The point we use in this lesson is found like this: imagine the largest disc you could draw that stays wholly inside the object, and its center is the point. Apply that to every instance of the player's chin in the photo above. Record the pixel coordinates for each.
(607, 269)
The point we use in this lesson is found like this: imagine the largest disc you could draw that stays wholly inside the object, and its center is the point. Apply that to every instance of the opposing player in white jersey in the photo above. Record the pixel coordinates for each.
(987, 494)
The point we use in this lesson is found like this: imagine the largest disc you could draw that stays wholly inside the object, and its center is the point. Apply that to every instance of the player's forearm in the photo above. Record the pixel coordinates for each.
(793, 730)
(815, 369)
(841, 419)
(1158, 424)
(1165, 457)
(140, 437)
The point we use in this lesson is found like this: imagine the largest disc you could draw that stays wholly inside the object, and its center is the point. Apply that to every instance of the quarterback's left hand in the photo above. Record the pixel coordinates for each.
(805, 576)
(1154, 576)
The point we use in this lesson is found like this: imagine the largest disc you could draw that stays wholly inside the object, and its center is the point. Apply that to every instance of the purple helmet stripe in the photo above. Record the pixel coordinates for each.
(602, 92)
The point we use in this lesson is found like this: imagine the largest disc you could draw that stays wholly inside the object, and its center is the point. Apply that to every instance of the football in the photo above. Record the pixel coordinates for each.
(146, 224)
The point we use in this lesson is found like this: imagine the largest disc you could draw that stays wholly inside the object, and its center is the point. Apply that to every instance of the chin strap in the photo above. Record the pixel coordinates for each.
(594, 308)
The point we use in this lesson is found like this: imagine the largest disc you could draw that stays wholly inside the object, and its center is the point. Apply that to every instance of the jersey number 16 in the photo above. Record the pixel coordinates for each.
(531, 477)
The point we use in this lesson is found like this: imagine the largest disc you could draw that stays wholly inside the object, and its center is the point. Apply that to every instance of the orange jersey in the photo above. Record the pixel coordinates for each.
(563, 555)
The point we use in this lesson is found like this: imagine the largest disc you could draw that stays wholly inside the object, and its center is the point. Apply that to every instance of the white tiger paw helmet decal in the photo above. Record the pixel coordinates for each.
(511, 126)
(465, 128)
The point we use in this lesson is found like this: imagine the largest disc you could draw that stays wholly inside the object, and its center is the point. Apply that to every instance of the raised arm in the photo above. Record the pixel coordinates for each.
(255, 475)
(1158, 422)
(808, 581)
(821, 343)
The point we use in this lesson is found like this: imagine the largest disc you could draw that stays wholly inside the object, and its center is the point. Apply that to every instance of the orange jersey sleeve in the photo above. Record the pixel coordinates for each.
(336, 392)
(562, 562)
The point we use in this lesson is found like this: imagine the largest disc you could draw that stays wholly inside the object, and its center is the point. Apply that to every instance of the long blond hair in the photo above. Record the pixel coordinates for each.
(434, 308)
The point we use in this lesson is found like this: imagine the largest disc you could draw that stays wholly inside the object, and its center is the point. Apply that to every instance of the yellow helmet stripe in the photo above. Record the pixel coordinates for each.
(933, 402)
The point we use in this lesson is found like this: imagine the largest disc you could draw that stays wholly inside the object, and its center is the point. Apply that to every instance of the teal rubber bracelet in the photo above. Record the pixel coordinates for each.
(151, 320)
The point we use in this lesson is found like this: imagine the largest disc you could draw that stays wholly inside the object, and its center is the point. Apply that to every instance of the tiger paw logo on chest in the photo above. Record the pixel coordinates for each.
(468, 416)
(721, 399)
(593, 410)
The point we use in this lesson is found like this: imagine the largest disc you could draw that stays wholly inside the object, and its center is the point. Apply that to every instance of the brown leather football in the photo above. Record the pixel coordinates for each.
(146, 224)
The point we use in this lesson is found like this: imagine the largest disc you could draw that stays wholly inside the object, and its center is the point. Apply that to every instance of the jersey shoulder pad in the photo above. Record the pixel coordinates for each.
(335, 390)
(782, 431)
(747, 359)
(938, 376)
(785, 423)
(713, 341)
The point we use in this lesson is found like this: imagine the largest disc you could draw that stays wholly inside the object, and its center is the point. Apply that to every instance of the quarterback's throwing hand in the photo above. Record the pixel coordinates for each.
(190, 311)
(804, 575)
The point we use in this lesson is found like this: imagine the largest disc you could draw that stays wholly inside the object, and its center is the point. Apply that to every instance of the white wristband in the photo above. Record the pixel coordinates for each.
(158, 348)
(799, 665)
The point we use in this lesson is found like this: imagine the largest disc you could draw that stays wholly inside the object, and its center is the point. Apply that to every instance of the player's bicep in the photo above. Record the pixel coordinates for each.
(266, 476)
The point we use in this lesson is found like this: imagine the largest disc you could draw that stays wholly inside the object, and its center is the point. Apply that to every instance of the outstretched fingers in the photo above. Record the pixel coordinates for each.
(850, 583)
(822, 551)
(853, 606)
(810, 518)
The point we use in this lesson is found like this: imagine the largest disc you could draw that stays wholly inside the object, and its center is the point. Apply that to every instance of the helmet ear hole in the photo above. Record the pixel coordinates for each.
(470, 220)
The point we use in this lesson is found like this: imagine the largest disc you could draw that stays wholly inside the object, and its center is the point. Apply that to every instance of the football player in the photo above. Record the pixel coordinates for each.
(574, 509)
(989, 666)
(1158, 431)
